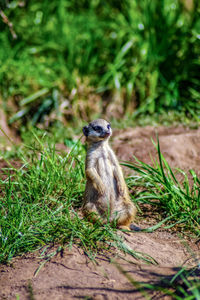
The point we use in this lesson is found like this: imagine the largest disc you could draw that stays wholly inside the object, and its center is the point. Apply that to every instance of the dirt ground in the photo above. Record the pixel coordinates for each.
(179, 145)
(71, 275)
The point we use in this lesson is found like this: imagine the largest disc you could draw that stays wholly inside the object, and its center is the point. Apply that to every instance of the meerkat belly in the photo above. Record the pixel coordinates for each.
(105, 171)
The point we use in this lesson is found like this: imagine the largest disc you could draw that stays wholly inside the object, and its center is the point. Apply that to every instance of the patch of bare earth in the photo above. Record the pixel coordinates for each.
(71, 275)
(179, 145)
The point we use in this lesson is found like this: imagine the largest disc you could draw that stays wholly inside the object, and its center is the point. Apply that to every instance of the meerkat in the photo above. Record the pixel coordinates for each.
(106, 194)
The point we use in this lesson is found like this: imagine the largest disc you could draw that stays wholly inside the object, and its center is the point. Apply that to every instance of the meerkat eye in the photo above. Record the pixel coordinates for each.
(108, 126)
(97, 128)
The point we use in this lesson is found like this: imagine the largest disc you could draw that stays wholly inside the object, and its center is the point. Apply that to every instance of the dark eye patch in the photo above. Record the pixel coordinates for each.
(97, 128)
(108, 126)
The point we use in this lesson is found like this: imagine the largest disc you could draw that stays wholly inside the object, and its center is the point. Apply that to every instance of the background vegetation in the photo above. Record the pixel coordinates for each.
(75, 59)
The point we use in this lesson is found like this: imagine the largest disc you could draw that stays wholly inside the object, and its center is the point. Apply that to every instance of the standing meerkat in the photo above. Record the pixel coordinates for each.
(106, 194)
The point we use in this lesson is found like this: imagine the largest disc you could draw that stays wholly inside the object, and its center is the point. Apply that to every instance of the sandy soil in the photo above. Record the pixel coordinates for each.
(179, 145)
(71, 275)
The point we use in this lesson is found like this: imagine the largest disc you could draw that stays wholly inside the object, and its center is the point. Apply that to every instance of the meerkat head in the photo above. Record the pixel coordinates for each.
(97, 130)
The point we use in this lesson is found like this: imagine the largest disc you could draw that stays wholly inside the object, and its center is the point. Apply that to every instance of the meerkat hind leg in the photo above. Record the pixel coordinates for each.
(124, 225)
(126, 216)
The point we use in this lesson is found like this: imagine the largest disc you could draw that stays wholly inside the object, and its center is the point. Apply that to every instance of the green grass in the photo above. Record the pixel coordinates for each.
(146, 52)
(179, 201)
(37, 198)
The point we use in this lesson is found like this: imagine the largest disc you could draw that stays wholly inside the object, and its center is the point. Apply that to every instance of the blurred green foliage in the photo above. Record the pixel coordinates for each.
(147, 51)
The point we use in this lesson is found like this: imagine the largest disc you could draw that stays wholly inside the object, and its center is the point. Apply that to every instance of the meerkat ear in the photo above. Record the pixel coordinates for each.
(85, 130)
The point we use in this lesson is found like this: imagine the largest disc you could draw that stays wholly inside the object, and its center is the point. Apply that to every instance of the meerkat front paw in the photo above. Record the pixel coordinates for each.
(121, 189)
(101, 189)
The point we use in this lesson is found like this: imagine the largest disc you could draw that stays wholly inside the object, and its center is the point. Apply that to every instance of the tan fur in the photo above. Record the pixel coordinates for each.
(106, 194)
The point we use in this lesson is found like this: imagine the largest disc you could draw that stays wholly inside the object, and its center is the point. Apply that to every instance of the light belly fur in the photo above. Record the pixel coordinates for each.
(105, 171)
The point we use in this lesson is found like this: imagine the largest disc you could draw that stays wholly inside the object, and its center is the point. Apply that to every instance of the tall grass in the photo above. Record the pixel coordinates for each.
(178, 200)
(37, 199)
(147, 51)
